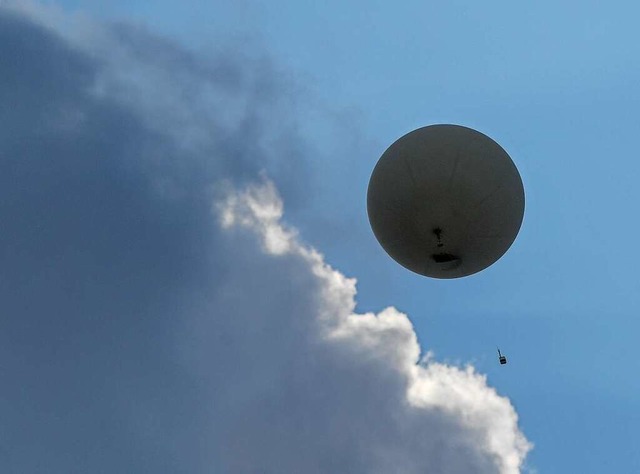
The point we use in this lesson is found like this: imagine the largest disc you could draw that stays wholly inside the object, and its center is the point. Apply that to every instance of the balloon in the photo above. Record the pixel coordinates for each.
(445, 201)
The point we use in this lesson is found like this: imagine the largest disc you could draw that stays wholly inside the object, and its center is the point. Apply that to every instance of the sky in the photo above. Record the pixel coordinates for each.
(189, 280)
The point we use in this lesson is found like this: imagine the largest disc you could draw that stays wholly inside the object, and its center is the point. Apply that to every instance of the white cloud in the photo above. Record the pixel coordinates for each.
(482, 422)
(179, 345)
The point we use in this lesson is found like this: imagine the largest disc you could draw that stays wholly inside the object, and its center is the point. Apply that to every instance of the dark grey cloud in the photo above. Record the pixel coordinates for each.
(92, 262)
(139, 334)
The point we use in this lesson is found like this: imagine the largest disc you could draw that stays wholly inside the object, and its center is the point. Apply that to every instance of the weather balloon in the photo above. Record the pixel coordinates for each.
(445, 201)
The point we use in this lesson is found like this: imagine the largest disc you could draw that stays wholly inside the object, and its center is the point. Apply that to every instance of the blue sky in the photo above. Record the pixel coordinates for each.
(556, 86)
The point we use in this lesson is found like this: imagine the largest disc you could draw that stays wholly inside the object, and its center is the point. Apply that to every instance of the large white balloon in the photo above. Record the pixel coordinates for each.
(445, 201)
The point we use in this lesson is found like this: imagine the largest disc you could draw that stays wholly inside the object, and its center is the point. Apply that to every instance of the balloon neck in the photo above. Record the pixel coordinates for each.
(446, 261)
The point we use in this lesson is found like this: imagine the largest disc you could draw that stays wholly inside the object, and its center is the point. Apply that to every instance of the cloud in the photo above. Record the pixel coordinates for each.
(159, 315)
(402, 416)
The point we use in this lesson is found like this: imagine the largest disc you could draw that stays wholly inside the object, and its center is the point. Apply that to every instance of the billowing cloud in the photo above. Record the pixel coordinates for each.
(159, 315)
(361, 375)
